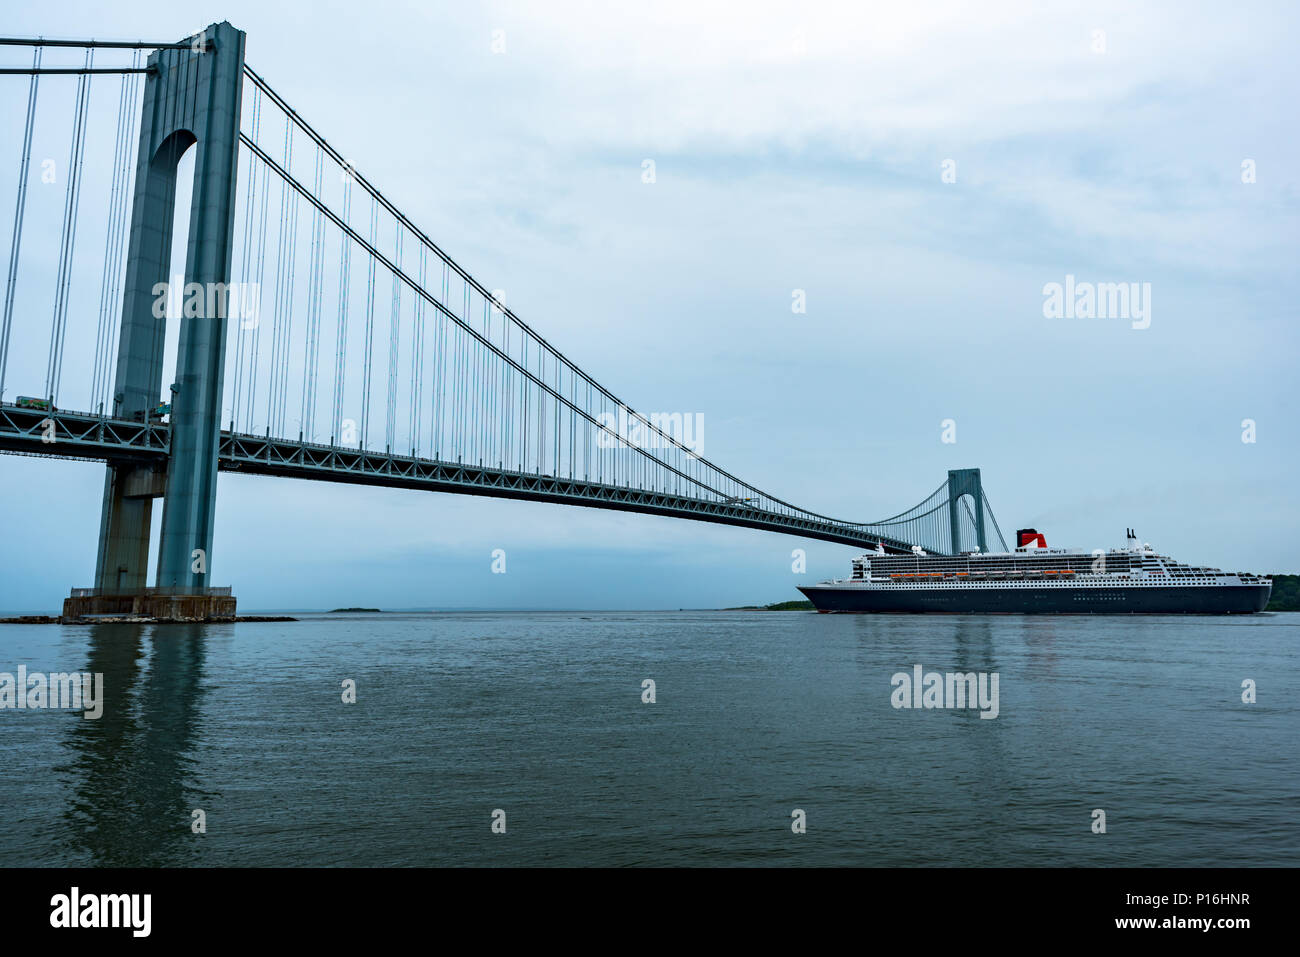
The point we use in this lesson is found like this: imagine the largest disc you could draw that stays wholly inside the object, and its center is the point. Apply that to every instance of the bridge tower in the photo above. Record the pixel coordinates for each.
(966, 482)
(191, 100)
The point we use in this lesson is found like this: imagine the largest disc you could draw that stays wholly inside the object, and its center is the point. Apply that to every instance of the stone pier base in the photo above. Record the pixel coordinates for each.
(87, 604)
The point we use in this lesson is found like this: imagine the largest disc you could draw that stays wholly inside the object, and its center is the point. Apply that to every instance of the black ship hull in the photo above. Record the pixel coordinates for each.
(1120, 600)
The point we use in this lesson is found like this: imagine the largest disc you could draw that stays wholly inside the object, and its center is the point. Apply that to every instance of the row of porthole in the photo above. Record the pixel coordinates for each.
(1025, 584)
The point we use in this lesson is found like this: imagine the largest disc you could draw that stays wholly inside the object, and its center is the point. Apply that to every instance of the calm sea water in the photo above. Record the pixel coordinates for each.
(757, 714)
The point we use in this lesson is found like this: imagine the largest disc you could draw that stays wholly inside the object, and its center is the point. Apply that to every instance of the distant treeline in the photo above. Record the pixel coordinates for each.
(1286, 593)
(778, 606)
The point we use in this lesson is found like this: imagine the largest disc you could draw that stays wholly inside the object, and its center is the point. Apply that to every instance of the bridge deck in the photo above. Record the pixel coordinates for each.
(81, 435)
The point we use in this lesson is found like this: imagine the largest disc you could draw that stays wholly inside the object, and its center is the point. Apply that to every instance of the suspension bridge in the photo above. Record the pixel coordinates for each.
(321, 334)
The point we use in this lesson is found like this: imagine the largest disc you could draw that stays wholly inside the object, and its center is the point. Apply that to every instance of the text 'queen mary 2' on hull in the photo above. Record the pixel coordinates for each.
(1037, 579)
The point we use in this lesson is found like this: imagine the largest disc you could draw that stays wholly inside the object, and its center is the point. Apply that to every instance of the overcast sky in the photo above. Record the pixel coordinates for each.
(796, 146)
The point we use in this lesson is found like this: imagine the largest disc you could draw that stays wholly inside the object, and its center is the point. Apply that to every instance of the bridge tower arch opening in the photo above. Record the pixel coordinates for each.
(191, 102)
(965, 484)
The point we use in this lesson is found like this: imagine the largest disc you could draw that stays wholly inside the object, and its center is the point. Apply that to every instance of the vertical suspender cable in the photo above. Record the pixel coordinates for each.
(417, 361)
(458, 392)
(341, 344)
(439, 410)
(462, 384)
(116, 267)
(255, 351)
(286, 343)
(315, 281)
(508, 405)
(105, 279)
(16, 239)
(498, 399)
(247, 323)
(394, 344)
(370, 327)
(282, 268)
(68, 241)
(483, 392)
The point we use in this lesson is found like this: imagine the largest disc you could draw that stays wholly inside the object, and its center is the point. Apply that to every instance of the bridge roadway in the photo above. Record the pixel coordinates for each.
(83, 435)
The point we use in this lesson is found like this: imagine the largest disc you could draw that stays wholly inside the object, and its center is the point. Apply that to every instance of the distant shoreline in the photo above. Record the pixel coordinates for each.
(777, 606)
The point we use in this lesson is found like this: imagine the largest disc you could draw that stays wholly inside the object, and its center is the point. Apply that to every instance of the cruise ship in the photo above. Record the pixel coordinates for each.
(1134, 579)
